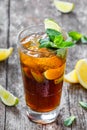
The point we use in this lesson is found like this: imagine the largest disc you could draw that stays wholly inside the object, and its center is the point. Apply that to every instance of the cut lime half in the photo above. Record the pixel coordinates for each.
(7, 98)
(5, 53)
(51, 24)
(64, 7)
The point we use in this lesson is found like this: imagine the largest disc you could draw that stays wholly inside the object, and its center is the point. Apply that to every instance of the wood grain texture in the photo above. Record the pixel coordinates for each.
(3, 65)
(16, 15)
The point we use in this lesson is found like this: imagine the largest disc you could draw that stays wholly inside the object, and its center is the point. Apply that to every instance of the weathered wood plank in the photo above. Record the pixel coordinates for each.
(24, 13)
(3, 44)
(72, 94)
(16, 118)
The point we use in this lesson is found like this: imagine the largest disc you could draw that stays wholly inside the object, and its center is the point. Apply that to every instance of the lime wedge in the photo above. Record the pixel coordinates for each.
(7, 98)
(5, 53)
(51, 24)
(64, 7)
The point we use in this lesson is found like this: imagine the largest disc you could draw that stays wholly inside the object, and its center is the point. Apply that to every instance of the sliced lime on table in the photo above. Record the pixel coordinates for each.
(64, 7)
(7, 98)
(51, 24)
(5, 53)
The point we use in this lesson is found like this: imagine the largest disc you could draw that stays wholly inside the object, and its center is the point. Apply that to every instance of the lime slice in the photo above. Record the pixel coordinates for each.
(51, 24)
(7, 98)
(5, 53)
(57, 81)
(64, 7)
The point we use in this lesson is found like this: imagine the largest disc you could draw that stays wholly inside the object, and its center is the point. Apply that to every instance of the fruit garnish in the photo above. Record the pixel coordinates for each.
(81, 71)
(55, 38)
(64, 7)
(51, 24)
(49, 62)
(71, 77)
(37, 76)
(57, 81)
(5, 53)
(7, 98)
(52, 74)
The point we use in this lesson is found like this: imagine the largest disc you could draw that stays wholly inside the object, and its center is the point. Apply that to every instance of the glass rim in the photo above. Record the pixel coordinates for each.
(26, 28)
(32, 26)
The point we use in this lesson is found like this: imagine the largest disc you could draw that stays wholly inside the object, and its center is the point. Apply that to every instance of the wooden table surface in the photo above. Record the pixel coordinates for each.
(16, 15)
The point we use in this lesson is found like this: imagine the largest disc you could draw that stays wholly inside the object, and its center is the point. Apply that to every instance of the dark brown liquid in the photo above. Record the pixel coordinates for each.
(42, 94)
(41, 97)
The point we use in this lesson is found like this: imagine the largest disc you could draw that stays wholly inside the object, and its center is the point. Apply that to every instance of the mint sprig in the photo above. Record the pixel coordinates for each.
(76, 36)
(46, 43)
(69, 120)
(83, 104)
(52, 34)
(55, 40)
(84, 39)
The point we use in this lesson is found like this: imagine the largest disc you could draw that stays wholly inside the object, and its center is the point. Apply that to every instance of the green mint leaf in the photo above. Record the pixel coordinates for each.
(61, 53)
(66, 44)
(83, 104)
(58, 40)
(75, 35)
(69, 120)
(52, 33)
(55, 40)
(84, 39)
(46, 43)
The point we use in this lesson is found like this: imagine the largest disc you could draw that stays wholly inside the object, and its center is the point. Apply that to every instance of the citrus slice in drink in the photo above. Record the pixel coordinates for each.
(5, 53)
(49, 62)
(57, 81)
(7, 98)
(52, 74)
(81, 71)
(64, 7)
(37, 76)
(27, 72)
(71, 77)
(51, 24)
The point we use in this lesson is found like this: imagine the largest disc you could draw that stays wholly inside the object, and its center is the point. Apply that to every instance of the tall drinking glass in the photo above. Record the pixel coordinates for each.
(42, 72)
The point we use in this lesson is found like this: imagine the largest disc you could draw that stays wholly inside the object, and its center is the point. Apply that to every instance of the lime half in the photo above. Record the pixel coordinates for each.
(7, 98)
(5, 53)
(64, 7)
(51, 24)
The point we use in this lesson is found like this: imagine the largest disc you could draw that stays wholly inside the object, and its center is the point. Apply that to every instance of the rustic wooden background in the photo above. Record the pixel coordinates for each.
(16, 15)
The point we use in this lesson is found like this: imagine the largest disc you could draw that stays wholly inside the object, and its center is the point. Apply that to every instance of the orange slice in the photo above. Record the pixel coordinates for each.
(81, 71)
(27, 72)
(37, 76)
(52, 74)
(51, 62)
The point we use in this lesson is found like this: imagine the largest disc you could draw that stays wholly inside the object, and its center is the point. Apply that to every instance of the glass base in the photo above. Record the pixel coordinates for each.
(43, 118)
